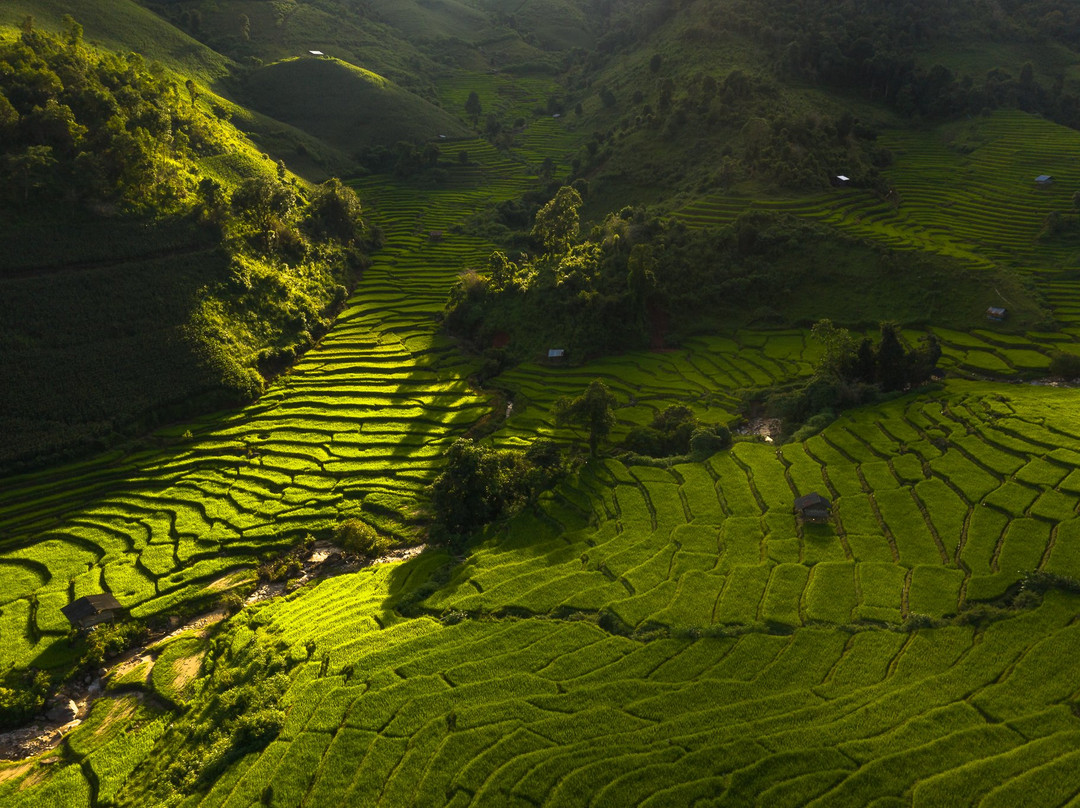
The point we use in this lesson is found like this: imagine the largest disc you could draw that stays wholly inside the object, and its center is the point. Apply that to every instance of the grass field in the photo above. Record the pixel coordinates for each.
(521, 711)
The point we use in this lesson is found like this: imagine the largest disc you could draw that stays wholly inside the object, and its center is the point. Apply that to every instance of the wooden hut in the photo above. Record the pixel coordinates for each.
(813, 507)
(91, 610)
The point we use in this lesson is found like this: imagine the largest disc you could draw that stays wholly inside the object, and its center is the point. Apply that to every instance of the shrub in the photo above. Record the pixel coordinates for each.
(675, 432)
(256, 730)
(106, 641)
(480, 484)
(19, 705)
(1065, 365)
(709, 439)
(357, 536)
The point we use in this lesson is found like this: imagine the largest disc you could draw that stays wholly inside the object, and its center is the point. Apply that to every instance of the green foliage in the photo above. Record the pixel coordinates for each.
(108, 640)
(676, 431)
(211, 280)
(594, 410)
(336, 213)
(849, 376)
(479, 484)
(1065, 365)
(639, 279)
(473, 108)
(105, 129)
(357, 536)
(558, 222)
(23, 699)
(241, 713)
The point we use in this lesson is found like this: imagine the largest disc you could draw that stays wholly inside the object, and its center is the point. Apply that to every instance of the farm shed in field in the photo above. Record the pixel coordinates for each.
(316, 53)
(91, 610)
(813, 507)
(841, 181)
(996, 314)
(556, 354)
(1044, 180)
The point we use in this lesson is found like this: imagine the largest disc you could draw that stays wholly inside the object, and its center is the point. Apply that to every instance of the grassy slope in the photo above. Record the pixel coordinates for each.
(282, 31)
(123, 25)
(353, 108)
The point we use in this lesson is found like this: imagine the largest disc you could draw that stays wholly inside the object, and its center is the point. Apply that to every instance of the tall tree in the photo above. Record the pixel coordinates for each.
(557, 223)
(892, 360)
(593, 410)
(473, 107)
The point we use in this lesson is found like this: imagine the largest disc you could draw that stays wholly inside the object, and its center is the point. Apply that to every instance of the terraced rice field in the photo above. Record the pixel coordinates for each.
(964, 190)
(357, 426)
(562, 712)
(705, 374)
(646, 636)
(940, 501)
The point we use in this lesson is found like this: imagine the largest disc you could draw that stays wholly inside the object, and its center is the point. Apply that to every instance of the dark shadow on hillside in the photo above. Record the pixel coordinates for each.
(91, 342)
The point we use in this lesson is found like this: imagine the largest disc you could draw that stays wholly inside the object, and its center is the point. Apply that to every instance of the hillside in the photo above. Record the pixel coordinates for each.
(433, 564)
(354, 109)
(143, 234)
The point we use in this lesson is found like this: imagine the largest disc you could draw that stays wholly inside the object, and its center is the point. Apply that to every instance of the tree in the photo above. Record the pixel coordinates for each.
(31, 166)
(9, 118)
(267, 204)
(546, 171)
(655, 62)
(193, 94)
(640, 279)
(474, 488)
(839, 348)
(502, 272)
(336, 211)
(1065, 365)
(593, 410)
(557, 223)
(892, 361)
(73, 32)
(473, 107)
(865, 366)
(357, 536)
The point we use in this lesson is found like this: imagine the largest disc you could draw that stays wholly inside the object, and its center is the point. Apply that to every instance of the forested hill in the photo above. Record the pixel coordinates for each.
(155, 262)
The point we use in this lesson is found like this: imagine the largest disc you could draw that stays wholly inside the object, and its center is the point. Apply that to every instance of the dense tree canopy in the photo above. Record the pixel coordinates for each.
(94, 126)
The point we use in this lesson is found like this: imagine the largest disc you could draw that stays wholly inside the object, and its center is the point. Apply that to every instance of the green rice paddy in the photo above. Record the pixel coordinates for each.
(645, 636)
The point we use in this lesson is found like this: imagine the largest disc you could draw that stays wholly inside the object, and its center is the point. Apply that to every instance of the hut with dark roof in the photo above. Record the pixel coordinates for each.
(91, 610)
(813, 507)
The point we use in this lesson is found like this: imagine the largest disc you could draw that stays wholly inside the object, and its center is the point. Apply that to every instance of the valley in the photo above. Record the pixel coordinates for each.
(647, 630)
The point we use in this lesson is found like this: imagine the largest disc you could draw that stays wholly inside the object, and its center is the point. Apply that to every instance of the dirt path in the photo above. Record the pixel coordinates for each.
(44, 734)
